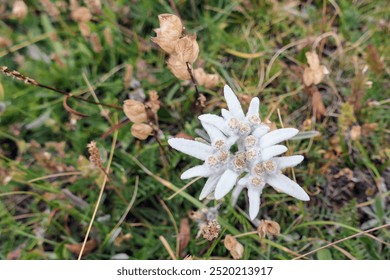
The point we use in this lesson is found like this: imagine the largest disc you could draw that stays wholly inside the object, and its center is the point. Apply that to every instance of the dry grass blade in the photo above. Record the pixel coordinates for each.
(174, 226)
(183, 188)
(167, 247)
(100, 194)
(342, 240)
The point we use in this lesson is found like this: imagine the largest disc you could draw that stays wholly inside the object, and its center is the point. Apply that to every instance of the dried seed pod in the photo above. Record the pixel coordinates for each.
(207, 80)
(135, 111)
(96, 44)
(4, 42)
(267, 226)
(165, 43)
(178, 68)
(153, 101)
(94, 157)
(170, 26)
(211, 230)
(141, 131)
(169, 32)
(187, 49)
(235, 248)
(19, 10)
(315, 73)
(108, 36)
(81, 14)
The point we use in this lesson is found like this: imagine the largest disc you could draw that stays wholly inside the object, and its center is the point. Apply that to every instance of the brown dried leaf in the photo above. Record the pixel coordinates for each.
(373, 59)
(184, 235)
(141, 131)
(135, 111)
(235, 248)
(318, 105)
(76, 248)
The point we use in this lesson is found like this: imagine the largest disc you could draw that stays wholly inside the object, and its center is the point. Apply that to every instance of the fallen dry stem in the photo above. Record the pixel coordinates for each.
(100, 194)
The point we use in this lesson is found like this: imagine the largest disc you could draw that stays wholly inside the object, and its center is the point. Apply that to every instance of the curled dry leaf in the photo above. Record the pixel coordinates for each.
(141, 131)
(184, 235)
(19, 10)
(268, 227)
(235, 248)
(315, 73)
(318, 105)
(135, 111)
(75, 248)
(207, 80)
(81, 14)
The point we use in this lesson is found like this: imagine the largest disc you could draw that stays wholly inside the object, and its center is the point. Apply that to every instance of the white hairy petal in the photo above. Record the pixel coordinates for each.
(196, 171)
(193, 148)
(233, 103)
(225, 184)
(210, 185)
(284, 184)
(277, 136)
(241, 184)
(254, 202)
(253, 109)
(291, 161)
(272, 151)
(226, 114)
(216, 121)
(260, 131)
(213, 132)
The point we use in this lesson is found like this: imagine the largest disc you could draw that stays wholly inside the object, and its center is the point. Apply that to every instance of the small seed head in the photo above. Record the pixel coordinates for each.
(233, 123)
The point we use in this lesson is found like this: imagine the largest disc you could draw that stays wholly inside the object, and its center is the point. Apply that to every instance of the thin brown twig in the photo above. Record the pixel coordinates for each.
(15, 74)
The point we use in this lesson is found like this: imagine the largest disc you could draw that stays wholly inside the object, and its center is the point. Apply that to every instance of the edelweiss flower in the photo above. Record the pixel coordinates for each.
(255, 160)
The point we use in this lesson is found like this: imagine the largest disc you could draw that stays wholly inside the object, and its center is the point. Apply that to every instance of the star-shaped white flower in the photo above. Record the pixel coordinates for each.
(255, 161)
